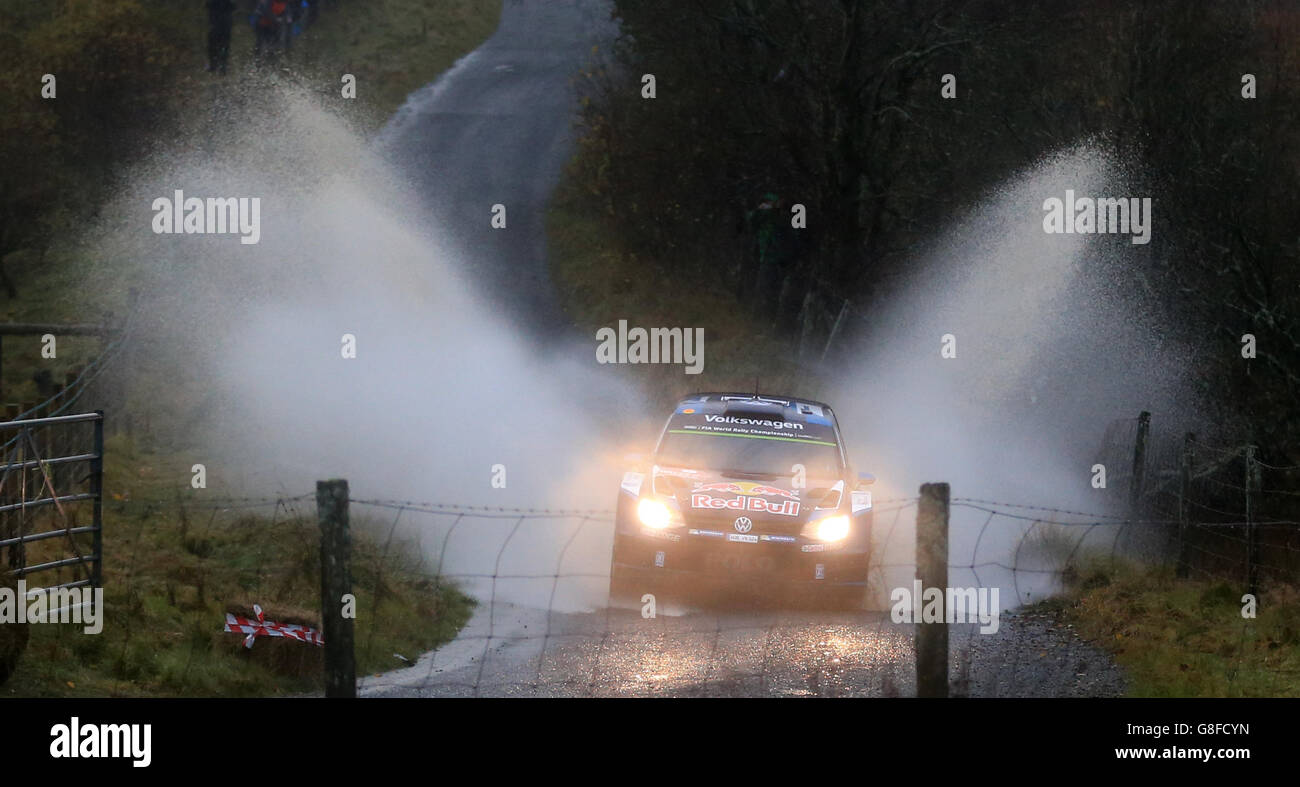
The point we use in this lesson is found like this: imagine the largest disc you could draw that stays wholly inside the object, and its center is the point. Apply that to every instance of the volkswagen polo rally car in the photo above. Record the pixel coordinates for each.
(745, 486)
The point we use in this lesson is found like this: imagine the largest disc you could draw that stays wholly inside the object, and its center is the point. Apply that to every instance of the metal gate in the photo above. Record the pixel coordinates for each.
(45, 482)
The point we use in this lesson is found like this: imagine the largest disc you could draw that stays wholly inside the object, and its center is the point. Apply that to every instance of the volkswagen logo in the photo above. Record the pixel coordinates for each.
(743, 524)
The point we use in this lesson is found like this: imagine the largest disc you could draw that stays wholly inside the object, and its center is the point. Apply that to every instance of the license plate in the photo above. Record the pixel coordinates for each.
(742, 560)
(742, 538)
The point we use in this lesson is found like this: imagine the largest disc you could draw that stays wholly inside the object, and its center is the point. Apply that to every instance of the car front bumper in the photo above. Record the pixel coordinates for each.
(794, 560)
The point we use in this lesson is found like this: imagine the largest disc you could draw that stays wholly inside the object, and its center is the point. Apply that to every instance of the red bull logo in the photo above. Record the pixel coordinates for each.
(749, 488)
(701, 499)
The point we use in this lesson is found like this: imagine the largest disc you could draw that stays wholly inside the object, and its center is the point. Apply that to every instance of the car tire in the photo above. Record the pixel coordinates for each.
(847, 599)
(620, 582)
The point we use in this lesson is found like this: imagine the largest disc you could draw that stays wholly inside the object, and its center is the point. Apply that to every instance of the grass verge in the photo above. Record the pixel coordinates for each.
(1186, 638)
(172, 570)
(396, 47)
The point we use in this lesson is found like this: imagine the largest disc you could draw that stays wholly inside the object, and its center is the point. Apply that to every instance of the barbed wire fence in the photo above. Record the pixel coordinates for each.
(1220, 512)
(540, 581)
(577, 648)
(539, 578)
(543, 623)
(557, 632)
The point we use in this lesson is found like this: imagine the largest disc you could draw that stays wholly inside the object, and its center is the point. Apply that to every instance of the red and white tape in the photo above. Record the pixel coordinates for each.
(261, 627)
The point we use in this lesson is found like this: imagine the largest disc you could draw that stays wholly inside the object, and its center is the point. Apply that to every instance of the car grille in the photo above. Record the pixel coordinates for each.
(725, 521)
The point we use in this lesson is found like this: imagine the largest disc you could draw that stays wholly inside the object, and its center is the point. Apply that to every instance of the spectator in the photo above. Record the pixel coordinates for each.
(219, 24)
(764, 222)
(265, 27)
(283, 14)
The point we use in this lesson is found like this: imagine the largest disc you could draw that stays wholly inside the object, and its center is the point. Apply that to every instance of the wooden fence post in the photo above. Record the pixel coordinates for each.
(1139, 462)
(1252, 532)
(1184, 504)
(335, 583)
(932, 571)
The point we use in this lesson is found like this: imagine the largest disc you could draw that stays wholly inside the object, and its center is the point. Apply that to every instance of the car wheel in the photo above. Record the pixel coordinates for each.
(849, 599)
(620, 582)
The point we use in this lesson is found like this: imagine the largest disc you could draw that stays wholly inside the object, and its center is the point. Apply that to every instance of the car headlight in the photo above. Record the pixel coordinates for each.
(653, 513)
(833, 528)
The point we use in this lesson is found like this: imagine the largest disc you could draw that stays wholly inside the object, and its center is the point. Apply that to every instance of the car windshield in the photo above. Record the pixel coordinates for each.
(749, 454)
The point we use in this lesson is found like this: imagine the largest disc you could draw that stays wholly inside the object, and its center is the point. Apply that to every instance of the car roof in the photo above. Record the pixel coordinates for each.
(759, 405)
(717, 402)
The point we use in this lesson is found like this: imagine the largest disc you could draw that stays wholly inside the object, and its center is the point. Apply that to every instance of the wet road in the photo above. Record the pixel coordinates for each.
(509, 650)
(497, 129)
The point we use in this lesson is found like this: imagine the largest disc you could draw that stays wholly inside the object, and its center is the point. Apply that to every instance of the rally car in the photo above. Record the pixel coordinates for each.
(745, 486)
